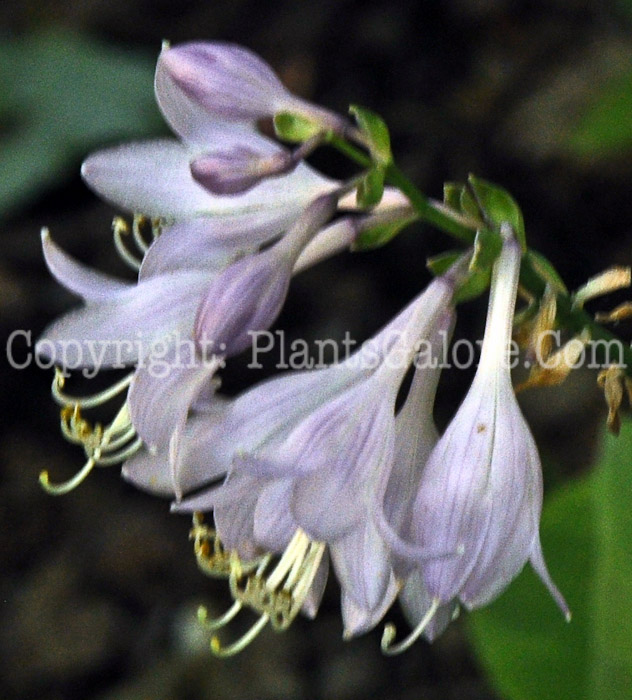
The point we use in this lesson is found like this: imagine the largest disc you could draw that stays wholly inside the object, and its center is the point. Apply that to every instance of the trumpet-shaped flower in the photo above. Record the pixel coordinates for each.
(320, 473)
(248, 296)
(480, 492)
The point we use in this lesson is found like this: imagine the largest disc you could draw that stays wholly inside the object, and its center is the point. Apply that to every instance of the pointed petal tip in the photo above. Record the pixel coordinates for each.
(539, 566)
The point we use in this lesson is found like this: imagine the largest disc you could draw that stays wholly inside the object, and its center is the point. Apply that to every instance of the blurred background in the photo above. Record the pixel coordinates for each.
(99, 588)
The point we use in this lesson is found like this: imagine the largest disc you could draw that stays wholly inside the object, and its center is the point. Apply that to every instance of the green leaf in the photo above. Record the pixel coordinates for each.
(526, 648)
(440, 264)
(381, 234)
(452, 195)
(605, 129)
(475, 284)
(499, 206)
(64, 94)
(295, 128)
(487, 247)
(376, 132)
(546, 271)
(371, 188)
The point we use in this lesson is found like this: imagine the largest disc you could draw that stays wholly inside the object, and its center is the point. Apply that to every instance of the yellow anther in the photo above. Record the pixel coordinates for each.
(277, 598)
(103, 446)
(554, 369)
(608, 281)
(620, 313)
(613, 381)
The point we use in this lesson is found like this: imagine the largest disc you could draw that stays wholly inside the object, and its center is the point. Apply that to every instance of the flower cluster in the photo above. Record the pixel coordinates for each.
(309, 467)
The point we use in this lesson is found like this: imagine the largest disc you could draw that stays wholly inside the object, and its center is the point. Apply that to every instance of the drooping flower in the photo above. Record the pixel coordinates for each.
(480, 492)
(319, 473)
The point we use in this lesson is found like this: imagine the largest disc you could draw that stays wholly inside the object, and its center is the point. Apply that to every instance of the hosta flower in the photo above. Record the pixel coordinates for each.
(229, 83)
(480, 492)
(415, 437)
(317, 468)
(248, 296)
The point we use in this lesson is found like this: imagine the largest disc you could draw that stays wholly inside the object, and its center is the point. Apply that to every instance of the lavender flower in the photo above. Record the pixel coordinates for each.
(248, 296)
(480, 491)
(319, 473)
(229, 83)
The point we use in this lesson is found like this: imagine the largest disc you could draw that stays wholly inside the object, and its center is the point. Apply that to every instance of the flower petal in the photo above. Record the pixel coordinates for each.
(357, 620)
(201, 459)
(120, 331)
(273, 523)
(162, 391)
(191, 245)
(154, 178)
(197, 81)
(77, 278)
(362, 566)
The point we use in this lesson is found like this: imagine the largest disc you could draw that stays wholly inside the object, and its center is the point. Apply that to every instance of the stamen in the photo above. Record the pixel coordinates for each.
(86, 401)
(103, 446)
(120, 228)
(65, 486)
(283, 593)
(216, 623)
(390, 631)
(277, 598)
(212, 558)
(218, 650)
(140, 222)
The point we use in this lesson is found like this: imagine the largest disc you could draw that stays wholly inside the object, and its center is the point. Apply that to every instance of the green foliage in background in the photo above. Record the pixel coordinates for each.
(63, 94)
(522, 640)
(605, 128)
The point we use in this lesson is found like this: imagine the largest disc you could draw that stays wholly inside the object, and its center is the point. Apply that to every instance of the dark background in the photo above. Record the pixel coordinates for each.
(100, 587)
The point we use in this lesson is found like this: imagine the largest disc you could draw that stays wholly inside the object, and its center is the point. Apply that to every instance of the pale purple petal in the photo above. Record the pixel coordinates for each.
(199, 464)
(150, 178)
(191, 245)
(154, 178)
(539, 566)
(342, 450)
(357, 620)
(453, 506)
(119, 332)
(361, 563)
(515, 486)
(198, 81)
(328, 242)
(416, 602)
(246, 298)
(77, 278)
(273, 523)
(162, 391)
